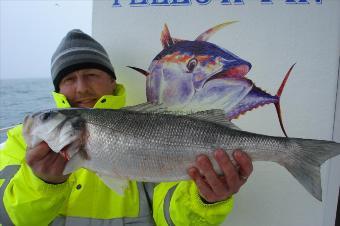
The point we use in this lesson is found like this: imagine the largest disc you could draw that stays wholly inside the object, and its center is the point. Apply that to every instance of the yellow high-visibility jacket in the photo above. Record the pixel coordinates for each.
(85, 200)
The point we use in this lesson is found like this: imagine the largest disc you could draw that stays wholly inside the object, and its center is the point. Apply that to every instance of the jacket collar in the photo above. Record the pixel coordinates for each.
(115, 101)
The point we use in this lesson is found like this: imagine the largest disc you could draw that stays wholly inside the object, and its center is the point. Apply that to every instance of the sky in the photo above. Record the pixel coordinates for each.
(31, 30)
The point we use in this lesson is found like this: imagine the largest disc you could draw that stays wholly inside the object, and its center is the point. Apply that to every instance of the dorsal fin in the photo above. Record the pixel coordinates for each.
(147, 108)
(216, 116)
(166, 39)
(207, 34)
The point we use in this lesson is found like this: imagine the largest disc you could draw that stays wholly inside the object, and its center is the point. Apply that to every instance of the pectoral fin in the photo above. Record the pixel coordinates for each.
(118, 185)
(142, 71)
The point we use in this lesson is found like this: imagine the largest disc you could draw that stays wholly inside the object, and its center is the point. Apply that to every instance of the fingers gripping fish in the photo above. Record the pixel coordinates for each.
(199, 75)
(147, 143)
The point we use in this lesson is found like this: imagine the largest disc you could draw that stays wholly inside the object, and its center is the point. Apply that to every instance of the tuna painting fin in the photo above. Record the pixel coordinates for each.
(166, 38)
(216, 116)
(142, 71)
(278, 94)
(305, 164)
(207, 34)
(118, 185)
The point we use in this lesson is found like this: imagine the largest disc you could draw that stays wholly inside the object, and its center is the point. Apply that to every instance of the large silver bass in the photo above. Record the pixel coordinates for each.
(145, 143)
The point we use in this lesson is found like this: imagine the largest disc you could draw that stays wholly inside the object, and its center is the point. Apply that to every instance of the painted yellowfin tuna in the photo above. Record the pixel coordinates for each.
(199, 75)
(147, 143)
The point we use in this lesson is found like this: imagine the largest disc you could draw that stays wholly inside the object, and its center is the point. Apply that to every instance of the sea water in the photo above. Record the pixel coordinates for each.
(19, 97)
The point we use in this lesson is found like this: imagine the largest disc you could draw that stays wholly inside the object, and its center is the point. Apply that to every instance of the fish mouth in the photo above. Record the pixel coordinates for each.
(27, 124)
(238, 71)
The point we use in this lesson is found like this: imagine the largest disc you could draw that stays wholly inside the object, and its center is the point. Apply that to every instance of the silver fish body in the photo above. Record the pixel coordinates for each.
(155, 147)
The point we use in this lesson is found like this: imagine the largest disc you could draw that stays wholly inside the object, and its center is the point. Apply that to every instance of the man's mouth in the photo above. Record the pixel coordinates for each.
(87, 102)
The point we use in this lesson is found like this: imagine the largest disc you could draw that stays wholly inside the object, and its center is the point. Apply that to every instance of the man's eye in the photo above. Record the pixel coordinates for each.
(92, 75)
(67, 80)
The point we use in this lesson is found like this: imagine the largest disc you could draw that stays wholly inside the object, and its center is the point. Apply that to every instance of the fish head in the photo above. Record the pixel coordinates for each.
(58, 128)
(185, 70)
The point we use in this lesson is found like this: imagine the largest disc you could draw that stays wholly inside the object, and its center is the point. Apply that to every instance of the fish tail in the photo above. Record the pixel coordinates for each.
(305, 163)
(278, 94)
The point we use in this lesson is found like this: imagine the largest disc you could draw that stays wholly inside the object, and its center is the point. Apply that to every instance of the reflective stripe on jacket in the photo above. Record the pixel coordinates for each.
(85, 200)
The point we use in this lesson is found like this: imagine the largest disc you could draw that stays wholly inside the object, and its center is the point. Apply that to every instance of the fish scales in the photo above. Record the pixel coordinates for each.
(152, 142)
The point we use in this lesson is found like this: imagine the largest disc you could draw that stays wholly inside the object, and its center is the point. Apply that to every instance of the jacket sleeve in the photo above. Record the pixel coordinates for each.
(180, 204)
(26, 199)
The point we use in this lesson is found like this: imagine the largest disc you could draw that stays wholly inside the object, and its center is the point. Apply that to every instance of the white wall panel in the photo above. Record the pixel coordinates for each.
(272, 37)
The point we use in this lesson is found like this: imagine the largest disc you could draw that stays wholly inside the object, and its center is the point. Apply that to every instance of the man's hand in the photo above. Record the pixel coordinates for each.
(215, 188)
(46, 164)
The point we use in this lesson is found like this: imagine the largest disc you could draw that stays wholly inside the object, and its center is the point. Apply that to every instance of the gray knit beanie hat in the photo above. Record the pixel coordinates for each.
(77, 51)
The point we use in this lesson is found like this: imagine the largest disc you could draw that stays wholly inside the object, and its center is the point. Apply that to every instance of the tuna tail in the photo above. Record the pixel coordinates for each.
(278, 94)
(305, 164)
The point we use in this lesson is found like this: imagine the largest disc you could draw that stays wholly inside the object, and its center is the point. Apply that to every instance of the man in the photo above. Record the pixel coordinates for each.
(35, 192)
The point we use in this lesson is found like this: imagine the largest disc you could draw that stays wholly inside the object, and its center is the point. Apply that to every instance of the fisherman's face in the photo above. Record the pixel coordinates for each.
(83, 88)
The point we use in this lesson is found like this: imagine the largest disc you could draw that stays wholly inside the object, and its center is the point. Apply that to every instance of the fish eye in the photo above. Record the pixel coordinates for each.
(45, 116)
(192, 64)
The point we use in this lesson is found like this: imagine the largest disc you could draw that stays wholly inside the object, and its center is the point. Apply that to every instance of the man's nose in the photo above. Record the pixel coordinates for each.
(82, 85)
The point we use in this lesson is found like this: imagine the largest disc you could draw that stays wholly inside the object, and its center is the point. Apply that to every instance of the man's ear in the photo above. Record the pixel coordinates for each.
(113, 82)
